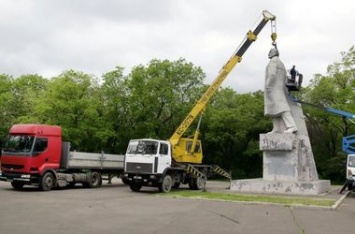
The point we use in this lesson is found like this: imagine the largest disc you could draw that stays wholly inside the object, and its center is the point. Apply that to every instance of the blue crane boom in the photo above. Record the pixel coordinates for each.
(348, 141)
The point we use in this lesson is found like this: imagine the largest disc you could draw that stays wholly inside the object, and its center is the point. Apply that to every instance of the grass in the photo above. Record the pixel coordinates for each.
(273, 199)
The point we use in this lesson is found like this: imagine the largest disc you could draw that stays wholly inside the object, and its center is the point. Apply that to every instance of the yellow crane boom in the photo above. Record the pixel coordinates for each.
(182, 146)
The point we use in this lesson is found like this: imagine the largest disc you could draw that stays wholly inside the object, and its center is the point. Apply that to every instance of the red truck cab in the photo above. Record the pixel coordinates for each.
(29, 151)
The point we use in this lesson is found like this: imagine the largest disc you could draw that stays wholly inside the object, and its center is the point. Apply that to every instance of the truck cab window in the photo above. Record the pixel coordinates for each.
(142, 147)
(163, 149)
(18, 143)
(40, 145)
(189, 145)
(151, 149)
(351, 161)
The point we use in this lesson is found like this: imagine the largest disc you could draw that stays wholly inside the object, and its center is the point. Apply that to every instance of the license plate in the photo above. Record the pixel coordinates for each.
(137, 177)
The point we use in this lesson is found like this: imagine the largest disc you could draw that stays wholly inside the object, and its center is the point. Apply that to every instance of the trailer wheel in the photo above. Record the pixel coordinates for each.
(135, 187)
(47, 181)
(166, 184)
(17, 185)
(71, 185)
(95, 180)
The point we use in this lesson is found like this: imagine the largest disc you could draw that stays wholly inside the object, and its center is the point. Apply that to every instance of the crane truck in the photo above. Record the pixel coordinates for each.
(34, 154)
(169, 163)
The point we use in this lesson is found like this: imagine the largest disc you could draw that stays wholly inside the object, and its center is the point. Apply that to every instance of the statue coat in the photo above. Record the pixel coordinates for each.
(275, 90)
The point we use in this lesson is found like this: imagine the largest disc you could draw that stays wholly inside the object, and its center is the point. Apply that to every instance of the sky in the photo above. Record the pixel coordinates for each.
(48, 37)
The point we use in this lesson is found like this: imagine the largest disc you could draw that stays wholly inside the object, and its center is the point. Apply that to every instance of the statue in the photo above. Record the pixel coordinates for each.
(275, 95)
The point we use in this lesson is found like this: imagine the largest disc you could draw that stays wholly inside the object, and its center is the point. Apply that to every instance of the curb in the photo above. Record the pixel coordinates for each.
(339, 201)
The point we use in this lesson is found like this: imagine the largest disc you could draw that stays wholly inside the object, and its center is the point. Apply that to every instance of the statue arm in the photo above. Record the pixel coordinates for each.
(271, 75)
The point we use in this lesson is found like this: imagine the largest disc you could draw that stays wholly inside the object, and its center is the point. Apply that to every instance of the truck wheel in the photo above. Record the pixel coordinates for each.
(191, 183)
(93, 181)
(196, 183)
(96, 180)
(199, 184)
(17, 185)
(135, 187)
(125, 181)
(176, 185)
(71, 185)
(47, 182)
(166, 184)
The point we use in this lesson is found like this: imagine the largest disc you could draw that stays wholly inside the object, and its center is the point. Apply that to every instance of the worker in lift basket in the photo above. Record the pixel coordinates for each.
(293, 73)
(276, 105)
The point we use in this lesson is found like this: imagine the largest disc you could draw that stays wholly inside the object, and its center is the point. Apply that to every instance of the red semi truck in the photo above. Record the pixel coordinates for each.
(34, 154)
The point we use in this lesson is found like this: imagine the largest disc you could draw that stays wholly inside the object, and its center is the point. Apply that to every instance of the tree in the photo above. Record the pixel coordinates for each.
(26, 90)
(172, 88)
(116, 109)
(230, 132)
(71, 101)
(6, 100)
(336, 90)
(150, 101)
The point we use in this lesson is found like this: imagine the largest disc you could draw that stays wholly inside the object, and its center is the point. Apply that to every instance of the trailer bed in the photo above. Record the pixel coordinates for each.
(84, 160)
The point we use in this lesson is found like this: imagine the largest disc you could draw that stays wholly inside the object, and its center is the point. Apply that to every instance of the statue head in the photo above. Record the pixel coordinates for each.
(273, 52)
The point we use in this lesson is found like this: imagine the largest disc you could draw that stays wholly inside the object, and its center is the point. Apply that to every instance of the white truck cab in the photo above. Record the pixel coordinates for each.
(350, 171)
(147, 156)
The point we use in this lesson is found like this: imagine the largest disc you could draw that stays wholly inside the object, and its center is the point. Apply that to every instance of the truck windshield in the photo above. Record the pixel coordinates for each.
(351, 161)
(18, 143)
(142, 147)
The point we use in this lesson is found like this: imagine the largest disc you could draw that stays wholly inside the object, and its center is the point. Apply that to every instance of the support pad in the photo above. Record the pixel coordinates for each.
(281, 187)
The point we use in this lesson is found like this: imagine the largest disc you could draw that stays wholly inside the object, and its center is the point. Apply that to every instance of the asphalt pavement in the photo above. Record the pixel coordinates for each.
(113, 208)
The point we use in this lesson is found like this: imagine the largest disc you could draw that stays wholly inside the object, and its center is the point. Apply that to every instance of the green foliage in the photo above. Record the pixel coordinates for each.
(159, 95)
(220, 196)
(230, 132)
(335, 90)
(115, 109)
(153, 99)
(6, 101)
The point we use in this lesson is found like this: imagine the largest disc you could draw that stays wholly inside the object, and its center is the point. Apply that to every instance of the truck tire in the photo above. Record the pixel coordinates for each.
(95, 180)
(134, 186)
(176, 185)
(191, 183)
(17, 185)
(125, 181)
(196, 183)
(71, 185)
(47, 182)
(166, 184)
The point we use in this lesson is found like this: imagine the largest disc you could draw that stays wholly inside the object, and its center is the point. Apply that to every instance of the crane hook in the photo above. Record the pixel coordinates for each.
(273, 32)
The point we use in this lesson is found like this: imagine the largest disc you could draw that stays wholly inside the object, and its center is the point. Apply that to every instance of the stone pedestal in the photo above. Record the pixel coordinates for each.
(287, 157)
(288, 163)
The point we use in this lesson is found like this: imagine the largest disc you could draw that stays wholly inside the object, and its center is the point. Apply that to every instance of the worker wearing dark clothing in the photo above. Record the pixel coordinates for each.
(293, 73)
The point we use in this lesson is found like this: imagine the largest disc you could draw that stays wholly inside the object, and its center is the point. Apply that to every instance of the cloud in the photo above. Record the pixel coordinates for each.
(47, 37)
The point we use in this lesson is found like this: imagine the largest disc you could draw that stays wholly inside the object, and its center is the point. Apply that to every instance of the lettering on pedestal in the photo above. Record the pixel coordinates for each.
(282, 142)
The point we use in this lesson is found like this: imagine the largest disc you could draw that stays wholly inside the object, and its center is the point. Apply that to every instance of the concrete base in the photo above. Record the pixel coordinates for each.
(281, 187)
